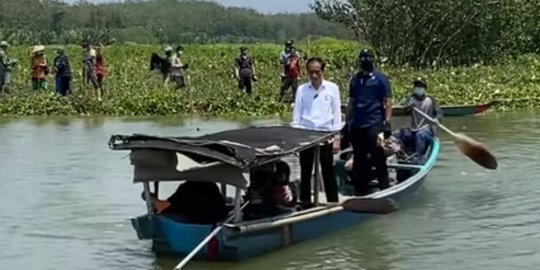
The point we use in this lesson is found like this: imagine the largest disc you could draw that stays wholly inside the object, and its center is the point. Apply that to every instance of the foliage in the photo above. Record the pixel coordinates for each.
(155, 21)
(436, 32)
(133, 90)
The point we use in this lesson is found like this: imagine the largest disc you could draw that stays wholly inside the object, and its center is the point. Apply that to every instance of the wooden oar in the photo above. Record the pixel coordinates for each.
(473, 149)
(206, 240)
(370, 206)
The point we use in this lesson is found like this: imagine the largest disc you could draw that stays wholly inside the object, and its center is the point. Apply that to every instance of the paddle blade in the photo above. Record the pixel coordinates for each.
(476, 151)
(370, 206)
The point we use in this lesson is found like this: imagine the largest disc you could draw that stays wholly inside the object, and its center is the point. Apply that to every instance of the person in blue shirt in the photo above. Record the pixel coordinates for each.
(369, 114)
(62, 69)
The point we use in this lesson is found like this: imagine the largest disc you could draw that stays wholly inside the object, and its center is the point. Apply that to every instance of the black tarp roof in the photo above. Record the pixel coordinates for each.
(241, 148)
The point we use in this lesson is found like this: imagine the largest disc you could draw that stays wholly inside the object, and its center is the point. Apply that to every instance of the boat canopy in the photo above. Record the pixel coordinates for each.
(226, 155)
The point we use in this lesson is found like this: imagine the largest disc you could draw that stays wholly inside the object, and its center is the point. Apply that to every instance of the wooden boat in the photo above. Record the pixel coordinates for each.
(456, 110)
(224, 158)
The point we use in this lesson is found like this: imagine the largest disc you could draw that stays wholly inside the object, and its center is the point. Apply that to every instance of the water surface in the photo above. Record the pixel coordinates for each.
(67, 200)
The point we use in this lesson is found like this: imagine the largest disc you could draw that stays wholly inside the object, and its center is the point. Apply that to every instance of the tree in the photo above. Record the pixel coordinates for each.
(166, 21)
(436, 32)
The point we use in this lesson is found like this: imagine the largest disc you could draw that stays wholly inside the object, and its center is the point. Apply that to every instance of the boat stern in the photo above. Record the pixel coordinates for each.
(172, 237)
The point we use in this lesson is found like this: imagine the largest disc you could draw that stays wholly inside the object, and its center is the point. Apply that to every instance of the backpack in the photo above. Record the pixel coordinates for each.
(244, 63)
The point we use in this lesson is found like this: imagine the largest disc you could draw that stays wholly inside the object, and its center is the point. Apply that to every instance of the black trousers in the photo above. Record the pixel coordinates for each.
(364, 142)
(286, 83)
(327, 169)
(65, 85)
(246, 83)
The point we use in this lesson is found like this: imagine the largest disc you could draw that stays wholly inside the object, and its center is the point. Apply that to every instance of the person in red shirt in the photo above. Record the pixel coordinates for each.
(293, 73)
(101, 71)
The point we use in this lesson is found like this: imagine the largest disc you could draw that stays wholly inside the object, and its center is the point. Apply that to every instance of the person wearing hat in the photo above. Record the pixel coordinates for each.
(284, 55)
(244, 71)
(369, 114)
(39, 68)
(422, 130)
(177, 67)
(293, 72)
(6, 65)
(162, 64)
(89, 69)
(62, 70)
(284, 60)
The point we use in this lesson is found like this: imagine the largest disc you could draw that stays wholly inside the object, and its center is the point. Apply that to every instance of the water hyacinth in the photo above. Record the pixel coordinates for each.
(131, 89)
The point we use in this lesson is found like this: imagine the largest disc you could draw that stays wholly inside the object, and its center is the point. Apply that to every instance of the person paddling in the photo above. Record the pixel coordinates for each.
(422, 130)
(369, 114)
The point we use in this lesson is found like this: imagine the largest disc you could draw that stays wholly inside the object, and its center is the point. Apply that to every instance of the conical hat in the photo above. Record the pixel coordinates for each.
(38, 48)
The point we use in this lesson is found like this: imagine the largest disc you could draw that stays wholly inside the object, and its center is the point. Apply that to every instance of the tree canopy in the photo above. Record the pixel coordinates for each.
(439, 32)
(156, 21)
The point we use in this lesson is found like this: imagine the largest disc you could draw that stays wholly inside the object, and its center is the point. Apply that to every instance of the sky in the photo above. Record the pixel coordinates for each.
(264, 6)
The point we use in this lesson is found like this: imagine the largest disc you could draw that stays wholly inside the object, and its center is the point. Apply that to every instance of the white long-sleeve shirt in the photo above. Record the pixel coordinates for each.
(318, 109)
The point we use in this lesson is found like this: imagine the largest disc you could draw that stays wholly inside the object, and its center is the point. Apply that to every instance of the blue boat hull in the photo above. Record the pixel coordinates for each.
(458, 110)
(235, 244)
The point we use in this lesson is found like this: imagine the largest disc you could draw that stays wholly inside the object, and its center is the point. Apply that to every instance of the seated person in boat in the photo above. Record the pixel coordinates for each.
(193, 202)
(269, 192)
(422, 131)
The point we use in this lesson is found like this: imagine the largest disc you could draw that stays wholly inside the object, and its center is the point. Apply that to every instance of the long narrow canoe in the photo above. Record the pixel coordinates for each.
(456, 110)
(158, 159)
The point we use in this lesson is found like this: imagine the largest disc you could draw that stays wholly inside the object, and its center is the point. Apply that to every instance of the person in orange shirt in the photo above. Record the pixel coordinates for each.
(39, 68)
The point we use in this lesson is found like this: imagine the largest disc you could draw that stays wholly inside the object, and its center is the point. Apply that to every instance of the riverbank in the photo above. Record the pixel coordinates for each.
(132, 90)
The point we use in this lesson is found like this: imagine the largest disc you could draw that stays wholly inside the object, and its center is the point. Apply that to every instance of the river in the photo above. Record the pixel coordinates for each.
(66, 202)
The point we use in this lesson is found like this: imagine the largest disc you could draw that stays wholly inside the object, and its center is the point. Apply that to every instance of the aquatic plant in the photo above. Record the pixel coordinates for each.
(131, 89)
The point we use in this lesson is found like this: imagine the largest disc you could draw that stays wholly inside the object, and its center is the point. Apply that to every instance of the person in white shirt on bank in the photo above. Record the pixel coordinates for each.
(318, 107)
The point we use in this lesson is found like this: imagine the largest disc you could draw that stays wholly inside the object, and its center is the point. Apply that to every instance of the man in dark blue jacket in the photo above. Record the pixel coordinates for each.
(62, 69)
(368, 115)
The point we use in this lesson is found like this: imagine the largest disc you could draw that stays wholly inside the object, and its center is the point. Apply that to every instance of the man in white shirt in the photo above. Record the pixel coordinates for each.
(318, 107)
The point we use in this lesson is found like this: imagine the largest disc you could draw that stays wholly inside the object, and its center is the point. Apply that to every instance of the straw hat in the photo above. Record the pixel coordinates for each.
(168, 49)
(38, 48)
(4, 44)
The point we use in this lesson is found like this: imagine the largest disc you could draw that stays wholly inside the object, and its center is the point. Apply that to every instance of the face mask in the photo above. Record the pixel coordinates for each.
(419, 91)
(366, 65)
